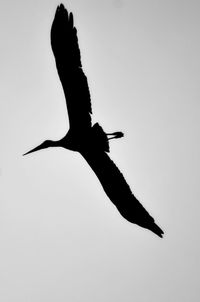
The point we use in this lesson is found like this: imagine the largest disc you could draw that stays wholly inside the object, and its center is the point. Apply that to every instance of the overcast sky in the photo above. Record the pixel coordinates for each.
(60, 240)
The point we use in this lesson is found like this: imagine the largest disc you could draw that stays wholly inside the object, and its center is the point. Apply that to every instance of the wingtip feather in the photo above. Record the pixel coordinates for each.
(157, 230)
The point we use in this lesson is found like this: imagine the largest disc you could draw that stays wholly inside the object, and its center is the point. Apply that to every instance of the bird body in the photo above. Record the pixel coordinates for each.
(94, 139)
(89, 140)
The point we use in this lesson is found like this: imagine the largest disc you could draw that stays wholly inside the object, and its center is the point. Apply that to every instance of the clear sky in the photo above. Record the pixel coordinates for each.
(60, 240)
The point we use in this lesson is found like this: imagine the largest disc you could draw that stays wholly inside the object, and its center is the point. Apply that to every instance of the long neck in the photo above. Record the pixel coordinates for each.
(58, 143)
(63, 142)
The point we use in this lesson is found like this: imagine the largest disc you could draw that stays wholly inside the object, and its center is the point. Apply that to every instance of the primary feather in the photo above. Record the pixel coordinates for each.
(119, 192)
(65, 47)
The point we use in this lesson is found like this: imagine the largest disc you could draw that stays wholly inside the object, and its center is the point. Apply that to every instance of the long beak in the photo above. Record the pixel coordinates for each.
(42, 146)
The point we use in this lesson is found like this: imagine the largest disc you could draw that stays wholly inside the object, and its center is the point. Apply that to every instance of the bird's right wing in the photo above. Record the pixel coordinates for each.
(118, 190)
(65, 47)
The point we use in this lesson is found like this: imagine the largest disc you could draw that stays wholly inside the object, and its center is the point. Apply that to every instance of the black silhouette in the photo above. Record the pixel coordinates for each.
(91, 141)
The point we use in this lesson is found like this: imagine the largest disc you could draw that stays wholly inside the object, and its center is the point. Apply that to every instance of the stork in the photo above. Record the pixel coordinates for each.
(89, 140)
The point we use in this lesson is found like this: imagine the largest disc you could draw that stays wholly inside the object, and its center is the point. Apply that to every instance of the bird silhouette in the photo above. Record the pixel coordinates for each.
(89, 140)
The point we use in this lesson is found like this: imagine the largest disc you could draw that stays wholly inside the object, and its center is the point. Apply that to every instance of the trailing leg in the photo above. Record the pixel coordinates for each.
(115, 135)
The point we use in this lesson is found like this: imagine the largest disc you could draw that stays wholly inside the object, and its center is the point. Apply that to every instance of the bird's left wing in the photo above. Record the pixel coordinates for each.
(118, 190)
(65, 47)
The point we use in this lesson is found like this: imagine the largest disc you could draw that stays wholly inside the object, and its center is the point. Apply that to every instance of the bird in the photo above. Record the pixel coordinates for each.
(89, 139)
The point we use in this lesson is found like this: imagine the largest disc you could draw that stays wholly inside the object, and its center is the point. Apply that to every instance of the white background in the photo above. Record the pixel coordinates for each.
(60, 240)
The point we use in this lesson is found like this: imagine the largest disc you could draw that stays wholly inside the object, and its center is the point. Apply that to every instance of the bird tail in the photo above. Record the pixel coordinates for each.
(100, 139)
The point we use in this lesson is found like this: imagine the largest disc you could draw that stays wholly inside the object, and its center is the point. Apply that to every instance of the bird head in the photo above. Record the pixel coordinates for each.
(44, 145)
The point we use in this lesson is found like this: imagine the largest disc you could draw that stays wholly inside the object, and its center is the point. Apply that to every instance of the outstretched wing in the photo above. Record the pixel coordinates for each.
(119, 191)
(65, 47)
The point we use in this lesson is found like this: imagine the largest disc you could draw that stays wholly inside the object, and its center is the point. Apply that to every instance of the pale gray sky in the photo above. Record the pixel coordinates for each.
(60, 241)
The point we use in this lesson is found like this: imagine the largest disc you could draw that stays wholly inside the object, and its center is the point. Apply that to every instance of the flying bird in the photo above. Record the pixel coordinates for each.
(89, 140)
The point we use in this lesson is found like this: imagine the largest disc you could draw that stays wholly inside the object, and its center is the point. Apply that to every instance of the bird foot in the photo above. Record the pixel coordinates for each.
(115, 135)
